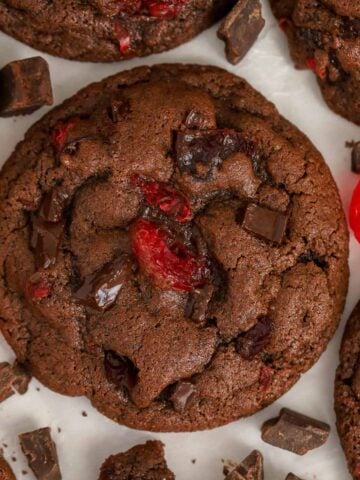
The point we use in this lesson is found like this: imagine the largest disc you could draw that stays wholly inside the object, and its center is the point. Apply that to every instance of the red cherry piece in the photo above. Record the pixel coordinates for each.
(354, 212)
(164, 8)
(320, 72)
(265, 377)
(38, 290)
(168, 262)
(123, 37)
(165, 197)
(60, 133)
(283, 24)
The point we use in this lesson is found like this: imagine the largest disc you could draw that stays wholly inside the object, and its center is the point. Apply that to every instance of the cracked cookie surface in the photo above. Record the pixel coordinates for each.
(108, 30)
(170, 247)
(324, 35)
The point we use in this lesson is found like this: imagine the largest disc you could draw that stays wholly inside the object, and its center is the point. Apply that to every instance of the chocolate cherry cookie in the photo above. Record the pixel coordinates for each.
(170, 247)
(347, 393)
(325, 37)
(108, 30)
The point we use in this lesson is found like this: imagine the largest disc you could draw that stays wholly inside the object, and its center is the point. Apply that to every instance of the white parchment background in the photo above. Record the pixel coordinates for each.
(84, 442)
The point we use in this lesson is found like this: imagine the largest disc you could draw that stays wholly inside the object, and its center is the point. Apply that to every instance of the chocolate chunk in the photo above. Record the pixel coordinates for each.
(255, 339)
(6, 472)
(295, 432)
(198, 303)
(120, 370)
(45, 241)
(100, 290)
(251, 468)
(355, 384)
(194, 119)
(24, 87)
(291, 476)
(53, 204)
(355, 158)
(13, 378)
(182, 394)
(241, 28)
(311, 256)
(40, 451)
(350, 27)
(118, 109)
(265, 223)
(199, 152)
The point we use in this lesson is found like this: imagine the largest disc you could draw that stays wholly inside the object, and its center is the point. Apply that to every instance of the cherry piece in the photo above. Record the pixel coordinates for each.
(354, 212)
(164, 8)
(167, 261)
(265, 377)
(255, 339)
(123, 37)
(120, 370)
(283, 24)
(320, 72)
(60, 133)
(165, 197)
(37, 289)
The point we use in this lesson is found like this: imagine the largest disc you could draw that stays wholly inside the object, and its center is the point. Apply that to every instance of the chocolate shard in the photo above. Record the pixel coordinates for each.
(120, 370)
(118, 109)
(24, 87)
(355, 158)
(100, 290)
(200, 151)
(265, 223)
(40, 451)
(53, 205)
(241, 28)
(355, 384)
(181, 395)
(255, 339)
(251, 468)
(6, 472)
(13, 378)
(291, 476)
(295, 432)
(45, 241)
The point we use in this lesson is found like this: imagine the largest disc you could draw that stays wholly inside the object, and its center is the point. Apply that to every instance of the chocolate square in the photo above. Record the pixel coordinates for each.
(265, 223)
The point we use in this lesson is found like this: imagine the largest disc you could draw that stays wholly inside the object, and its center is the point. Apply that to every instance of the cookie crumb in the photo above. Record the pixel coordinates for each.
(193, 460)
(84, 414)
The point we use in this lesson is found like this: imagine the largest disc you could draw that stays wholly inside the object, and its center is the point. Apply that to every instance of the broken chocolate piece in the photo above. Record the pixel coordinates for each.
(53, 204)
(181, 395)
(100, 290)
(251, 468)
(355, 384)
(45, 241)
(13, 378)
(255, 339)
(200, 151)
(6, 472)
(241, 28)
(24, 87)
(120, 370)
(291, 476)
(265, 223)
(295, 432)
(40, 451)
(355, 158)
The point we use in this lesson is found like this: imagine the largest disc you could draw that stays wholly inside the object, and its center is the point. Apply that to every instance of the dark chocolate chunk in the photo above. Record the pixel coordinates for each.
(194, 119)
(355, 158)
(118, 109)
(198, 303)
(350, 27)
(40, 451)
(311, 256)
(24, 87)
(295, 432)
(200, 151)
(120, 370)
(182, 394)
(355, 384)
(53, 204)
(13, 378)
(45, 241)
(6, 472)
(265, 223)
(251, 468)
(291, 476)
(241, 28)
(255, 339)
(100, 290)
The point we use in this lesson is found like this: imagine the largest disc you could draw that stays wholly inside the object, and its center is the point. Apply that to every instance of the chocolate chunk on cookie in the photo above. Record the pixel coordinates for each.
(145, 462)
(241, 28)
(13, 378)
(40, 451)
(25, 86)
(295, 432)
(265, 223)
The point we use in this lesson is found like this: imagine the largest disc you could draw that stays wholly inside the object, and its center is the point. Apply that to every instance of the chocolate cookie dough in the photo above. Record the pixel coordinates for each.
(145, 462)
(108, 30)
(347, 393)
(325, 37)
(129, 269)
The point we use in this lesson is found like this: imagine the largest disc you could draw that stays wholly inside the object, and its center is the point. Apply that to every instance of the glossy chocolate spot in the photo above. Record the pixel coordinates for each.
(45, 241)
(120, 370)
(182, 394)
(100, 290)
(199, 152)
(53, 204)
(255, 339)
(265, 223)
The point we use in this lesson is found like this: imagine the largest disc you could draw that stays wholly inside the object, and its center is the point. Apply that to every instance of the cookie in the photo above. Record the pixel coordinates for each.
(140, 462)
(347, 393)
(108, 30)
(170, 247)
(325, 37)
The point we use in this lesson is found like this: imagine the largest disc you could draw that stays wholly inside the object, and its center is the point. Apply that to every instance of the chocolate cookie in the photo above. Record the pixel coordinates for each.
(325, 37)
(347, 393)
(108, 30)
(142, 462)
(171, 247)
